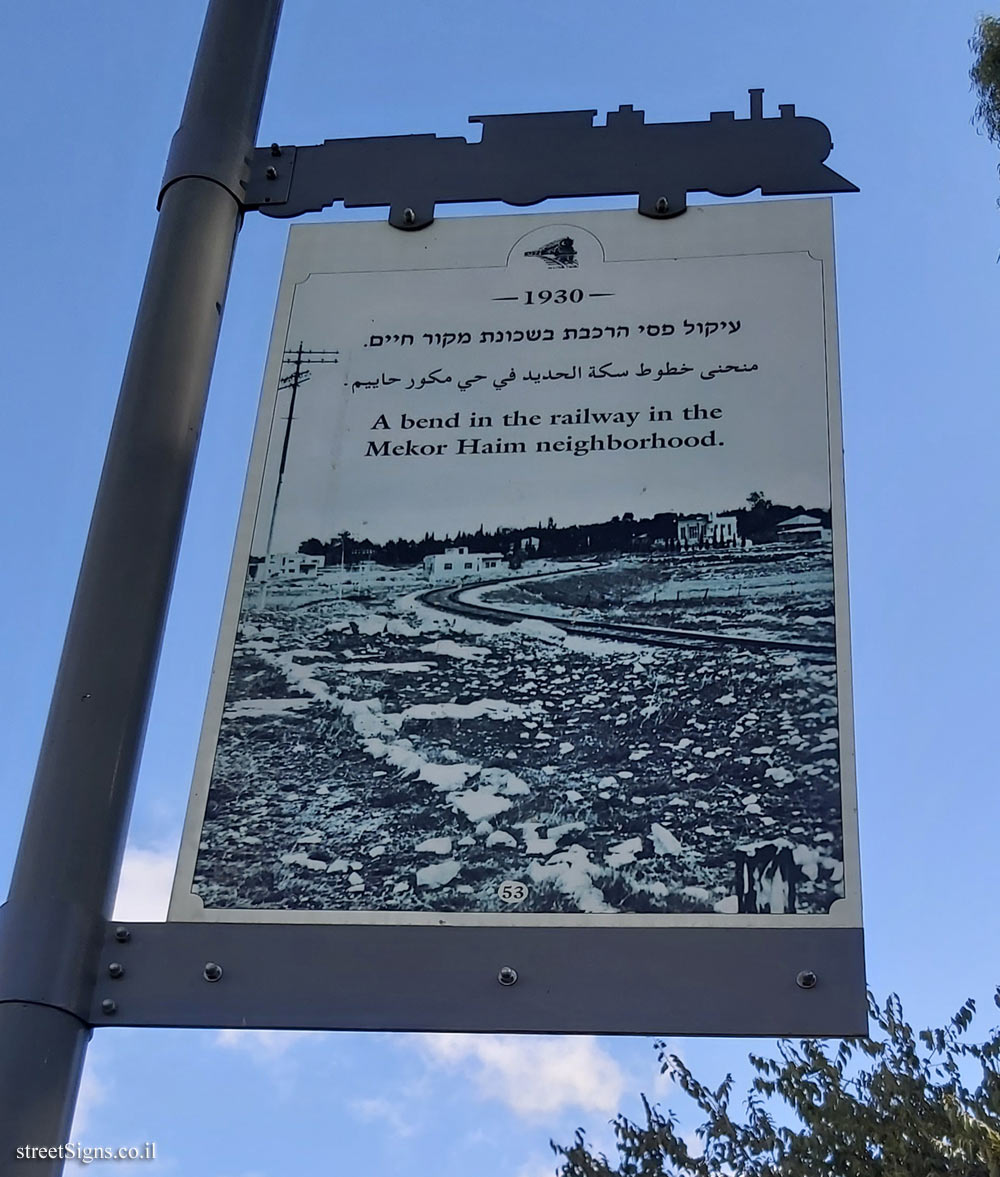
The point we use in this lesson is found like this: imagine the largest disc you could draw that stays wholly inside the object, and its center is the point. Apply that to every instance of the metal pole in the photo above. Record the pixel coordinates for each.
(70, 853)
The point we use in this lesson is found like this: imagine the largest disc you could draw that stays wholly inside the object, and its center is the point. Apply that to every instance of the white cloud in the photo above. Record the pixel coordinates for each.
(384, 1110)
(144, 886)
(93, 1092)
(662, 1084)
(263, 1046)
(538, 1166)
(272, 1051)
(534, 1077)
(695, 1144)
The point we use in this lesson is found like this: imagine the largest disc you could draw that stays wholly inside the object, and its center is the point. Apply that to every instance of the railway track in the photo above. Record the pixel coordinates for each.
(450, 600)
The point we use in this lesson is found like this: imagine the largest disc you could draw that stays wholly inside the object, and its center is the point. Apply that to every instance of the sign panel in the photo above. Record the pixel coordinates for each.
(538, 611)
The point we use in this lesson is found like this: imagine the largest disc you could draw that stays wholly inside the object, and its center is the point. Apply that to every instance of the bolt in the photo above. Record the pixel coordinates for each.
(84, 698)
(116, 970)
(409, 216)
(507, 975)
(212, 971)
(271, 173)
(275, 150)
(108, 1006)
(806, 979)
(122, 935)
(661, 206)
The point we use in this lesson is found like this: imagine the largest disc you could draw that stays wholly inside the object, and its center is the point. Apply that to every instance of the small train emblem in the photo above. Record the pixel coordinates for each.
(560, 255)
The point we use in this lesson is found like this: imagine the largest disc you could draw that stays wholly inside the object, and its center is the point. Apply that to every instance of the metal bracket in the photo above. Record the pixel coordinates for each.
(271, 175)
(523, 159)
(720, 981)
(195, 155)
(62, 975)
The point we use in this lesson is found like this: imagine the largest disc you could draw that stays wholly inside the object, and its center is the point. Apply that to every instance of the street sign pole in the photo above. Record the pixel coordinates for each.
(63, 966)
(70, 853)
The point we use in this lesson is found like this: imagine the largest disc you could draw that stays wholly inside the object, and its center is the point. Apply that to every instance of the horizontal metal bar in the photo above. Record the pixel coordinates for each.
(679, 981)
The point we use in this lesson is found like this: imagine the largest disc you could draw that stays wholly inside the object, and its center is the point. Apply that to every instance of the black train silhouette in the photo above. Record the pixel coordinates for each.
(561, 253)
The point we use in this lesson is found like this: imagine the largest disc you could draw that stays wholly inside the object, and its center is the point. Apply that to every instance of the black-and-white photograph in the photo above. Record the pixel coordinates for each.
(637, 716)
(536, 621)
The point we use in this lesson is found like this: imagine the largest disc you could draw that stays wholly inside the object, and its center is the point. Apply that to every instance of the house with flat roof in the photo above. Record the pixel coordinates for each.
(706, 529)
(285, 564)
(461, 564)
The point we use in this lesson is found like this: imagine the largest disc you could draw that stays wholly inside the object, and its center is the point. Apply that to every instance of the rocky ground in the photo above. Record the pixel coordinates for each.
(376, 754)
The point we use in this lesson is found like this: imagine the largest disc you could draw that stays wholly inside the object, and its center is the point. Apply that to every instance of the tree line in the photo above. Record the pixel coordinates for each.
(756, 522)
(902, 1103)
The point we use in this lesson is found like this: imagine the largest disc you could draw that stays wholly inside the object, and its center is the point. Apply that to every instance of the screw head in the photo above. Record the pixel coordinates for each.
(108, 1006)
(271, 173)
(212, 971)
(116, 970)
(507, 975)
(806, 979)
(122, 935)
(409, 216)
(661, 206)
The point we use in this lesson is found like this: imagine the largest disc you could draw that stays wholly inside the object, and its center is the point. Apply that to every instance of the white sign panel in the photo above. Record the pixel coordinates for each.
(538, 609)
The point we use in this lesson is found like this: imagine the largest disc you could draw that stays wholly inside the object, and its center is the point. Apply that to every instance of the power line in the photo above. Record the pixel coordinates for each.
(300, 374)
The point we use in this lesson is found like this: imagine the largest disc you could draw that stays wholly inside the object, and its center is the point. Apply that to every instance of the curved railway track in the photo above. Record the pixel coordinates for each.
(450, 600)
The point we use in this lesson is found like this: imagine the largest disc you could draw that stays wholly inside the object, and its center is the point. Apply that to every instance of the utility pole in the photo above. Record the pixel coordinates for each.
(294, 380)
(67, 868)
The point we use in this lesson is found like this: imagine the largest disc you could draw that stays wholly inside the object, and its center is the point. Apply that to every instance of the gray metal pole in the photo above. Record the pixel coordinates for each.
(71, 847)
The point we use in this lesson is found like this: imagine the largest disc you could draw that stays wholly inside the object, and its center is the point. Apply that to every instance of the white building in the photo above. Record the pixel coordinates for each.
(285, 564)
(802, 529)
(461, 564)
(708, 529)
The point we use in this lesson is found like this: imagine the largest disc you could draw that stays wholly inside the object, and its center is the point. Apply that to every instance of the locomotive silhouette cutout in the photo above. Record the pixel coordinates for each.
(523, 159)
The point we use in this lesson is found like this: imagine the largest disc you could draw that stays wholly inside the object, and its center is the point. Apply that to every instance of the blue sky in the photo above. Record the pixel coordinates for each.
(92, 95)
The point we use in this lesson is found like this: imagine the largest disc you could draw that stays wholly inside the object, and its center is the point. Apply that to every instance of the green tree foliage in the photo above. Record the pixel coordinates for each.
(898, 1104)
(985, 74)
